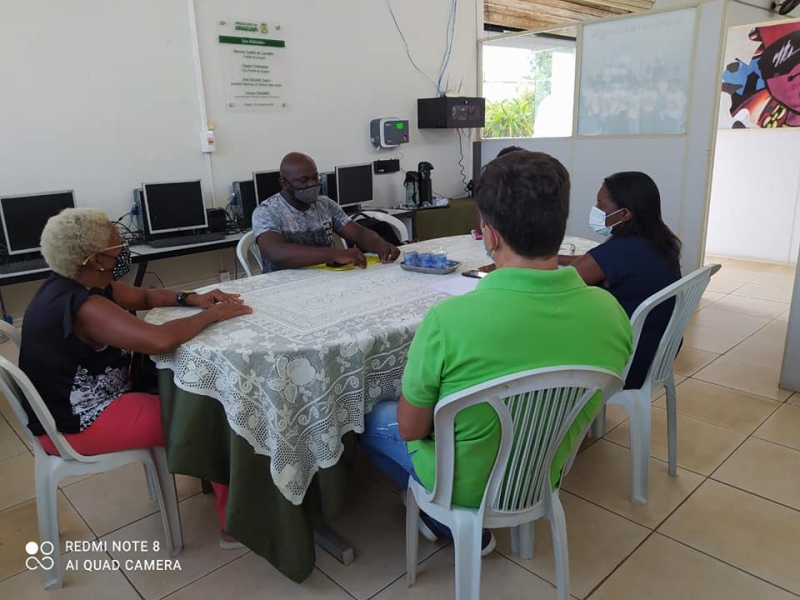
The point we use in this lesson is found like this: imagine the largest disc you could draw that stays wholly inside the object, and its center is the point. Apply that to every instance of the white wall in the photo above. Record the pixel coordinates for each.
(680, 165)
(755, 198)
(100, 95)
(754, 11)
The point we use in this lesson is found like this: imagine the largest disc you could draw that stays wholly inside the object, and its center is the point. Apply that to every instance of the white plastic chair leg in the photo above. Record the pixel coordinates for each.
(47, 514)
(151, 485)
(558, 526)
(467, 532)
(640, 446)
(167, 501)
(522, 540)
(598, 428)
(672, 425)
(412, 537)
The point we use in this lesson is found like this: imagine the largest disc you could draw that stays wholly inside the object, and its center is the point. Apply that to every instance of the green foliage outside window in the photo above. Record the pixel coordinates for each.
(514, 117)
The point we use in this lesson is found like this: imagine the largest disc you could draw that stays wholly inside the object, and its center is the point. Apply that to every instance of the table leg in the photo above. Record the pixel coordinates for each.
(328, 540)
(141, 270)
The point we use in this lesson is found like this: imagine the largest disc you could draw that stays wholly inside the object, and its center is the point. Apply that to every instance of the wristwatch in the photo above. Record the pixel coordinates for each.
(182, 295)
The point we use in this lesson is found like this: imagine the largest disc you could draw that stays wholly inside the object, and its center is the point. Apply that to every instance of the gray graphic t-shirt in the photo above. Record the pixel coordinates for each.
(313, 227)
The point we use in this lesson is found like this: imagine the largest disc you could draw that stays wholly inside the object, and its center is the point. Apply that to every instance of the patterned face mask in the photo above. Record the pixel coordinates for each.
(307, 195)
(122, 264)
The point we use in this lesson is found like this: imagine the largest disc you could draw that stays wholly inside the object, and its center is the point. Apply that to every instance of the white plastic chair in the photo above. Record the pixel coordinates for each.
(397, 225)
(11, 332)
(687, 292)
(50, 470)
(535, 409)
(245, 245)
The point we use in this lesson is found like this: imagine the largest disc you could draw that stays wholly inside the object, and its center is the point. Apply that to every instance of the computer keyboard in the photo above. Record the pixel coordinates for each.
(184, 240)
(21, 266)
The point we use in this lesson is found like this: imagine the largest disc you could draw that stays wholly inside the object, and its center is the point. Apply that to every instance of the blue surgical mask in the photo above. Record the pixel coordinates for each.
(597, 221)
(490, 254)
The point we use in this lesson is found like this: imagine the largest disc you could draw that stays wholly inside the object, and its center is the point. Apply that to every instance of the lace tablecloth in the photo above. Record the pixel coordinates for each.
(320, 349)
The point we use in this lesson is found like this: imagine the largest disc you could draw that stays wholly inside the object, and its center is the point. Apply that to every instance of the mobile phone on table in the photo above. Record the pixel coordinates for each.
(474, 273)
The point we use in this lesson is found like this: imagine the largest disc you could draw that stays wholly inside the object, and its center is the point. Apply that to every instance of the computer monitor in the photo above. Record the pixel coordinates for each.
(328, 183)
(354, 184)
(25, 216)
(176, 206)
(268, 183)
(245, 192)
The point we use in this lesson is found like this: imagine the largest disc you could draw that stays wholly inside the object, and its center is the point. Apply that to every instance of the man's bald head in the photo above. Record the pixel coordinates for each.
(298, 173)
(295, 162)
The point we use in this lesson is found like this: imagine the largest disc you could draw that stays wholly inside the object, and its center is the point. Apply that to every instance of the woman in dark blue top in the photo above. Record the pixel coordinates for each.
(641, 258)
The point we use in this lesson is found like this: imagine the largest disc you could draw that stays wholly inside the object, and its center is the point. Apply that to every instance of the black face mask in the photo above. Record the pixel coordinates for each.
(122, 264)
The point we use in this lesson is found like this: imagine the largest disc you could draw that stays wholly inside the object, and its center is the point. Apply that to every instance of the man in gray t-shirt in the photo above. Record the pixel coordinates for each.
(295, 227)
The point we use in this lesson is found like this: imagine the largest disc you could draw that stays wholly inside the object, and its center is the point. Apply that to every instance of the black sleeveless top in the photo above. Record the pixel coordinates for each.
(76, 381)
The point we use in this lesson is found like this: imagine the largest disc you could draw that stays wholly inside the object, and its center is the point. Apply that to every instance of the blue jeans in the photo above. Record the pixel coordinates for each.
(388, 451)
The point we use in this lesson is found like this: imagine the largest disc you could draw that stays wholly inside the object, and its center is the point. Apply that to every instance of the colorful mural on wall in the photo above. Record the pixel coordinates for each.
(764, 88)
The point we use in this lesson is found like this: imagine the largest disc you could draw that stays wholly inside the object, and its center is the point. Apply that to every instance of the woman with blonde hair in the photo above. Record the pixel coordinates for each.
(78, 335)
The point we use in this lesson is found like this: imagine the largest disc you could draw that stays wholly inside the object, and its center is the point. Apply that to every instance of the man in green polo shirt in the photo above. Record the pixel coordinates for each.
(527, 314)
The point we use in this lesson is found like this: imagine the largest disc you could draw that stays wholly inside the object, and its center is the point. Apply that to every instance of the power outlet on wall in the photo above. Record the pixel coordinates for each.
(224, 276)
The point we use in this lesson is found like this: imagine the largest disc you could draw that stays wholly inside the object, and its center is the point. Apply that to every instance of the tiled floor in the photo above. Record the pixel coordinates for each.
(727, 527)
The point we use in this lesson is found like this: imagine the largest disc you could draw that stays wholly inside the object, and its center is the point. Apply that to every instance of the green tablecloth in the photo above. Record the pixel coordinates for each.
(201, 444)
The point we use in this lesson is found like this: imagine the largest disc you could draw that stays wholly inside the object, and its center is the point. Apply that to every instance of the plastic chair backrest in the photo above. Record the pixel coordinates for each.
(687, 292)
(245, 245)
(14, 334)
(399, 227)
(535, 409)
(17, 388)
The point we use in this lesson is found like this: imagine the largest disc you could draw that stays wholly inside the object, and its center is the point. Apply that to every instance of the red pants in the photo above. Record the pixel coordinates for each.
(131, 421)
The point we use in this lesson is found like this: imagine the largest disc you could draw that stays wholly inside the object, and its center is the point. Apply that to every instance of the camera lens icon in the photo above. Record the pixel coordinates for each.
(33, 562)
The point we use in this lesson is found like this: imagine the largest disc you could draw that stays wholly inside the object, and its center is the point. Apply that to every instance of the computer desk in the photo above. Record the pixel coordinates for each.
(141, 256)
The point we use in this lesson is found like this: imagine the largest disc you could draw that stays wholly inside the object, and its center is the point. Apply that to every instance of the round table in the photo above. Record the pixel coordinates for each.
(293, 378)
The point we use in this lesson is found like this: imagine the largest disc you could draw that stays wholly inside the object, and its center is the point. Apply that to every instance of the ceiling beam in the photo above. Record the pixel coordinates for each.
(537, 14)
(514, 21)
(557, 8)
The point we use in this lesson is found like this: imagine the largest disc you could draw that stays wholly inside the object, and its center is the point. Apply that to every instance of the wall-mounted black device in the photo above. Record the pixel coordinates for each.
(451, 113)
(391, 165)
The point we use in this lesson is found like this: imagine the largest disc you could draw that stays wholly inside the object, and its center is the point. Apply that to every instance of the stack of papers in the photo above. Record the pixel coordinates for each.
(455, 286)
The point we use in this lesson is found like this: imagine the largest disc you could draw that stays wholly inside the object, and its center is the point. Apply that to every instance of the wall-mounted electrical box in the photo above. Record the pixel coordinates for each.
(388, 132)
(451, 113)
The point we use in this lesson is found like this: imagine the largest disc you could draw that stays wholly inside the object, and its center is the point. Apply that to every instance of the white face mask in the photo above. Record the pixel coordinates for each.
(485, 249)
(597, 221)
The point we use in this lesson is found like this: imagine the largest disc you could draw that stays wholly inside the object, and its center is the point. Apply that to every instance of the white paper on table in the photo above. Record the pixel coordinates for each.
(455, 286)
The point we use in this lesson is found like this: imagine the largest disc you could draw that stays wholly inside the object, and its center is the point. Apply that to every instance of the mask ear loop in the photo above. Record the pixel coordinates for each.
(491, 252)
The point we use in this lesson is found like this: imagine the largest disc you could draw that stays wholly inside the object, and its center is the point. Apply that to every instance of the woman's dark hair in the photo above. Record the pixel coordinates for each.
(525, 196)
(638, 193)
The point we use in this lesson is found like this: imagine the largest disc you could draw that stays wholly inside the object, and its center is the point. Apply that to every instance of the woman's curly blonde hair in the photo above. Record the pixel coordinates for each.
(71, 236)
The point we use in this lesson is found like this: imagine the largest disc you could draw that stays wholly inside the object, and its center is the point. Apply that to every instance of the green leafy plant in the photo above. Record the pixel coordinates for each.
(514, 117)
